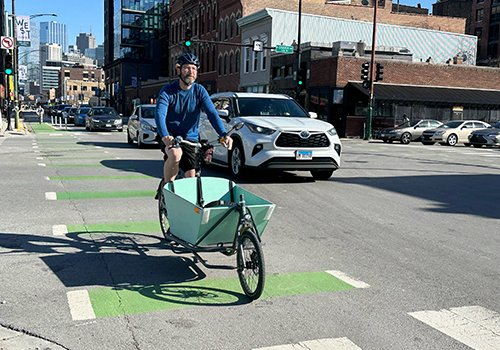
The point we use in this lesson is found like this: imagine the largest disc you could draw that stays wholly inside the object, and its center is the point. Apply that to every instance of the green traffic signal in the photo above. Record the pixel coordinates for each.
(8, 64)
(187, 43)
(187, 37)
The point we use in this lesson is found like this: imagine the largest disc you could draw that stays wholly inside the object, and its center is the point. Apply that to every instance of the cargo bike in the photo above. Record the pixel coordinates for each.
(212, 214)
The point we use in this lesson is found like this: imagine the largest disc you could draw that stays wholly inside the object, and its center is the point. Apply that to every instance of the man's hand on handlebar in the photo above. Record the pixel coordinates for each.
(168, 140)
(227, 141)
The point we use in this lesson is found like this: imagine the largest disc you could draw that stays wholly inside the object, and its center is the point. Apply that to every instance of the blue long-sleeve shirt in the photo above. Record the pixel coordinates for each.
(177, 111)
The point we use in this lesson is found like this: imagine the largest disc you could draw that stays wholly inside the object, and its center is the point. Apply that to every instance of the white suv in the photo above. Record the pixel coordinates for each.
(278, 134)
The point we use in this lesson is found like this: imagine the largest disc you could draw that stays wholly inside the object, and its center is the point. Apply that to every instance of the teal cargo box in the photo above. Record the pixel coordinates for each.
(190, 221)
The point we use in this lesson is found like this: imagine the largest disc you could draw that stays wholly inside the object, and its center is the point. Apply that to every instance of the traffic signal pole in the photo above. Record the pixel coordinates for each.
(299, 82)
(369, 117)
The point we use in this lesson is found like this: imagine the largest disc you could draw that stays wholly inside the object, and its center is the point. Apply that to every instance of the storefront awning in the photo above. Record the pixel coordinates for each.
(430, 94)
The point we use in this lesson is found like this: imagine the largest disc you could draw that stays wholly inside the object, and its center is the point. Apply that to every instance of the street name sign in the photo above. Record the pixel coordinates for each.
(284, 48)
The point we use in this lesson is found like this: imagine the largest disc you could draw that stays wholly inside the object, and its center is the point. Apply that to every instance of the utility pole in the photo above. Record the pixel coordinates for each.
(298, 50)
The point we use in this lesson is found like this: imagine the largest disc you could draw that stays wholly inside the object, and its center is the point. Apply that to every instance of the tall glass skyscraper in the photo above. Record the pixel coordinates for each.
(54, 33)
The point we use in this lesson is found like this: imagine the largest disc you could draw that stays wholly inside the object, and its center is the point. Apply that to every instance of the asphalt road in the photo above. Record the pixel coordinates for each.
(412, 230)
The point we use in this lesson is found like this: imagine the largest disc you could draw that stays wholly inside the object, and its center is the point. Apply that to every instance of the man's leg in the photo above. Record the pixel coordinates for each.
(171, 166)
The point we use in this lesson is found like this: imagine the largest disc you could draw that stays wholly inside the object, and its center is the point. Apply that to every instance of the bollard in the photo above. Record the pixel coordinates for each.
(60, 121)
(66, 123)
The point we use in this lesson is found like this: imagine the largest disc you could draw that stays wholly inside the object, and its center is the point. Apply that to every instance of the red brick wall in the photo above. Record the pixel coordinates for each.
(338, 71)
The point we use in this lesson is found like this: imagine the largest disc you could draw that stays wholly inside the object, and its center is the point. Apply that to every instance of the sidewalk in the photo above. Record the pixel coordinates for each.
(14, 340)
(24, 129)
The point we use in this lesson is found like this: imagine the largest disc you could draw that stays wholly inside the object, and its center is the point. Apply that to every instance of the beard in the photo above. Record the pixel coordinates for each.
(188, 79)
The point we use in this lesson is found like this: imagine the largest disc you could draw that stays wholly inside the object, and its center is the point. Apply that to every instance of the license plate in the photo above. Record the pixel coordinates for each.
(108, 125)
(303, 155)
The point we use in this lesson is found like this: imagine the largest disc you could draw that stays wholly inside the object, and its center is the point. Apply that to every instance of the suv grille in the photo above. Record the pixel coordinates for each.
(294, 140)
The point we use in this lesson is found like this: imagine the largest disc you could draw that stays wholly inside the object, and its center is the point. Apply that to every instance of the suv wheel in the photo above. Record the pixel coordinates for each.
(237, 160)
(321, 174)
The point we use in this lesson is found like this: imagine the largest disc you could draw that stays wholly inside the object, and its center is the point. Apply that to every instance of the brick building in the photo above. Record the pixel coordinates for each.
(419, 90)
(78, 83)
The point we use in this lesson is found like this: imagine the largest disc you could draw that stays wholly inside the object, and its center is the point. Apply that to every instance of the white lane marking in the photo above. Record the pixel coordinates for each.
(474, 326)
(47, 178)
(35, 146)
(39, 158)
(59, 230)
(79, 305)
(342, 276)
(319, 344)
(50, 196)
(42, 164)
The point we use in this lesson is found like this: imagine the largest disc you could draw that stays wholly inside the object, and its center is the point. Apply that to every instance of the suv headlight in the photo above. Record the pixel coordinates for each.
(332, 132)
(439, 133)
(259, 129)
(118, 121)
(147, 127)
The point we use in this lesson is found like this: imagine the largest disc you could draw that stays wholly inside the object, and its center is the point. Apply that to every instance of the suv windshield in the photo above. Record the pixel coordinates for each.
(451, 125)
(148, 112)
(269, 107)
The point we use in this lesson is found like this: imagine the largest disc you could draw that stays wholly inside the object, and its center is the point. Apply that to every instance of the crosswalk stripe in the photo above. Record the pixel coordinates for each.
(318, 344)
(79, 305)
(59, 230)
(474, 326)
(50, 196)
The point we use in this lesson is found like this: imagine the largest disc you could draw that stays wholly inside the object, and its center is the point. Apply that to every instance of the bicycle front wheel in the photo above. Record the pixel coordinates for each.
(250, 260)
(162, 211)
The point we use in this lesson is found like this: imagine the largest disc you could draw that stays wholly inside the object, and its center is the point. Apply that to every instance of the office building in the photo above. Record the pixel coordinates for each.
(54, 33)
(85, 41)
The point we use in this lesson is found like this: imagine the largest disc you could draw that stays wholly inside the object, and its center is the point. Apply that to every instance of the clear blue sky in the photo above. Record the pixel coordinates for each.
(78, 15)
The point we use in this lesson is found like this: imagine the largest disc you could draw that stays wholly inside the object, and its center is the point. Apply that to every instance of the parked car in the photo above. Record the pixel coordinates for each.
(278, 134)
(68, 114)
(486, 137)
(409, 131)
(141, 126)
(58, 109)
(103, 118)
(81, 113)
(452, 132)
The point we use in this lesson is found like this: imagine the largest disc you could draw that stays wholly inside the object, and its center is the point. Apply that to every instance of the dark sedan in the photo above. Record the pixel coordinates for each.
(103, 118)
(486, 137)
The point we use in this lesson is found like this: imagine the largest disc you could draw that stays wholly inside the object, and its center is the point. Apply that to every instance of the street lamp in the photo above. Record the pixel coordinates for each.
(42, 14)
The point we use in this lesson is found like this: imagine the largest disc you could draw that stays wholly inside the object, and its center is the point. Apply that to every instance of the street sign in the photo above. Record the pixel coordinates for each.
(7, 42)
(258, 45)
(284, 48)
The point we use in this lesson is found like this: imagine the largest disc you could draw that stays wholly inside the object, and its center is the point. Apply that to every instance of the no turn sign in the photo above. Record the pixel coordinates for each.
(7, 42)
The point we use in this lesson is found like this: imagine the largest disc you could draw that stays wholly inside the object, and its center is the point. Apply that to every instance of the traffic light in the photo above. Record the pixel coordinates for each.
(8, 64)
(301, 77)
(379, 75)
(365, 70)
(187, 37)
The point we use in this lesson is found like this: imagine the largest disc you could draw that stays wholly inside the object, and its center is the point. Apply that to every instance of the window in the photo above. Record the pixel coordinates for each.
(66, 74)
(247, 60)
(255, 61)
(478, 32)
(221, 37)
(84, 88)
(338, 96)
(237, 62)
(479, 15)
(75, 87)
(263, 58)
(208, 59)
(276, 73)
(225, 64)
(202, 28)
(209, 14)
(215, 17)
(202, 59)
(232, 27)
(85, 75)
(238, 16)
(226, 29)
(231, 58)
(213, 58)
(220, 65)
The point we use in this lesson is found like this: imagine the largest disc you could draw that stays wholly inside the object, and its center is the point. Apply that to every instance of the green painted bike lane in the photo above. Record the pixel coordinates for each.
(107, 302)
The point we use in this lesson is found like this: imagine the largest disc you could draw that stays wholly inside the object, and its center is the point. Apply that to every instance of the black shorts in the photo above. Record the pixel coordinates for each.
(188, 159)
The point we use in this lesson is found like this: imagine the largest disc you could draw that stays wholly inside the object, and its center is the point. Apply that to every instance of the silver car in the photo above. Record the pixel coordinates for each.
(486, 137)
(409, 131)
(141, 127)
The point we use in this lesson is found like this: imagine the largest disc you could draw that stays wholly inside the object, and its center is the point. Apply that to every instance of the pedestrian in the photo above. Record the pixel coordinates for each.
(39, 112)
(177, 113)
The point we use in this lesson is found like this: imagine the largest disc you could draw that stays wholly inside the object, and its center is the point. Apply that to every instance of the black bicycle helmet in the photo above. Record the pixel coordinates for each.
(188, 58)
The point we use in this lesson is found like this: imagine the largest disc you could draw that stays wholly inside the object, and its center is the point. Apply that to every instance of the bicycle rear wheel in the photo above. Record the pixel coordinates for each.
(251, 267)
(162, 211)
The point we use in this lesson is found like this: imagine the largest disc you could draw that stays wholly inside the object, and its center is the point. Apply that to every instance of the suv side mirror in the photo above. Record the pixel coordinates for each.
(223, 113)
(313, 115)
(133, 117)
